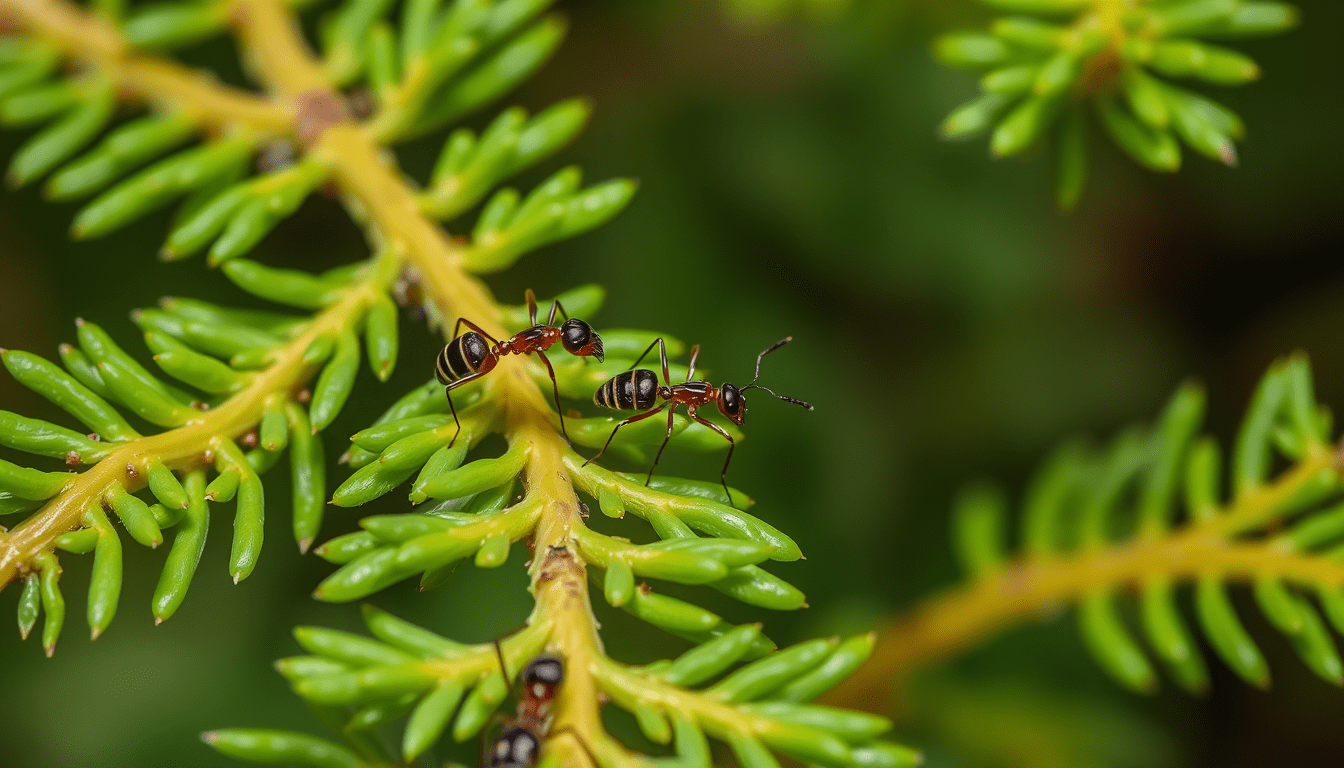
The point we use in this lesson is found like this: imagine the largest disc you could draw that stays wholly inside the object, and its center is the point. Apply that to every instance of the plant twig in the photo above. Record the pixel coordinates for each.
(559, 579)
(85, 36)
(966, 615)
(188, 446)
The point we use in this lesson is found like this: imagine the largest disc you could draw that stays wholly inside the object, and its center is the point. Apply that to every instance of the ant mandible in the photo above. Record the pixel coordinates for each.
(639, 390)
(468, 357)
(519, 745)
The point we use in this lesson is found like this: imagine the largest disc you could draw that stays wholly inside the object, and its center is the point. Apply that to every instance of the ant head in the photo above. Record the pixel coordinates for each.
(542, 675)
(580, 339)
(741, 400)
(517, 747)
(732, 404)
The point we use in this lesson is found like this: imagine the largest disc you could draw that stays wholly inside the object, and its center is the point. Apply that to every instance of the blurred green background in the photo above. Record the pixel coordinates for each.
(948, 324)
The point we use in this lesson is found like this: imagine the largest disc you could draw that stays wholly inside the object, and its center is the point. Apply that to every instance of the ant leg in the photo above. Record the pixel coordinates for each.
(504, 670)
(464, 321)
(659, 455)
(448, 392)
(630, 420)
(556, 389)
(556, 305)
(723, 476)
(690, 370)
(531, 299)
(656, 342)
(569, 729)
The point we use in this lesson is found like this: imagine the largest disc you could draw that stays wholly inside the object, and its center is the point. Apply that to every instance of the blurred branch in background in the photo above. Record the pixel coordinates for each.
(1098, 525)
(1043, 75)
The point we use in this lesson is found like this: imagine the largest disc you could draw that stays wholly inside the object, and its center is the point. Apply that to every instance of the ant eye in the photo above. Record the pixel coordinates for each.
(732, 399)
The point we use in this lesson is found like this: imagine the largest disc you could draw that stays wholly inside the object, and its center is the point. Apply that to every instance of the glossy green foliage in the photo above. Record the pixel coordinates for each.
(207, 355)
(230, 392)
(1056, 61)
(511, 224)
(1088, 503)
(438, 61)
(755, 701)
(444, 63)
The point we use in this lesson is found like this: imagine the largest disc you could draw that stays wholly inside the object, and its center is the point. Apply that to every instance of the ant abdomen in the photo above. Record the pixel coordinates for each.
(461, 357)
(517, 747)
(629, 391)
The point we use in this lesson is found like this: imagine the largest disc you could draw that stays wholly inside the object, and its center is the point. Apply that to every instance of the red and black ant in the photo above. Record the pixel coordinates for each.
(468, 357)
(639, 390)
(519, 745)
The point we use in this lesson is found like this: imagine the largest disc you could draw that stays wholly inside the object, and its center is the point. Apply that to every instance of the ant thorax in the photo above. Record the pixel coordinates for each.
(538, 337)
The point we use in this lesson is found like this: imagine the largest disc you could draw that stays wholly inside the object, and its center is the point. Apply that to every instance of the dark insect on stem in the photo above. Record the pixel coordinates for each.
(519, 744)
(638, 390)
(473, 354)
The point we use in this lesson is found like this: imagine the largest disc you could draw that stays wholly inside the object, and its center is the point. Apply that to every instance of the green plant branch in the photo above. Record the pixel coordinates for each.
(85, 36)
(413, 248)
(1235, 541)
(193, 444)
(1049, 60)
(559, 579)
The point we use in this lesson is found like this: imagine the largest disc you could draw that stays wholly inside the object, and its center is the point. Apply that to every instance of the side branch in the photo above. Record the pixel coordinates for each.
(964, 616)
(85, 36)
(188, 446)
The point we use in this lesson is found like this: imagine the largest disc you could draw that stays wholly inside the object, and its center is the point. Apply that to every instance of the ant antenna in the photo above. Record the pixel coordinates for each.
(772, 348)
(754, 385)
(785, 398)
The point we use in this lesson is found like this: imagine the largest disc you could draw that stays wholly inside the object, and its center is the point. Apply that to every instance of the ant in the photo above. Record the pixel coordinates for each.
(519, 746)
(639, 390)
(469, 357)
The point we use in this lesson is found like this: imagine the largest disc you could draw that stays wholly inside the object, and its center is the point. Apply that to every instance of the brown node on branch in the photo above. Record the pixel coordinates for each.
(1100, 73)
(318, 111)
(559, 563)
(362, 104)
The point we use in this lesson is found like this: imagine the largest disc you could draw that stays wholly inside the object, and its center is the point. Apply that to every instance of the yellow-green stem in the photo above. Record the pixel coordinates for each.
(379, 193)
(188, 446)
(969, 614)
(88, 37)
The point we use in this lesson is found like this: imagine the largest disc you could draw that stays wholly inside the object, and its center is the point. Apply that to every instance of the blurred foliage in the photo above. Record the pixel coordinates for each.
(946, 324)
(1052, 60)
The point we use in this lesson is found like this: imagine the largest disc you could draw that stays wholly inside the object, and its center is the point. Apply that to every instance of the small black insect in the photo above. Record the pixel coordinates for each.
(519, 744)
(473, 354)
(639, 390)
